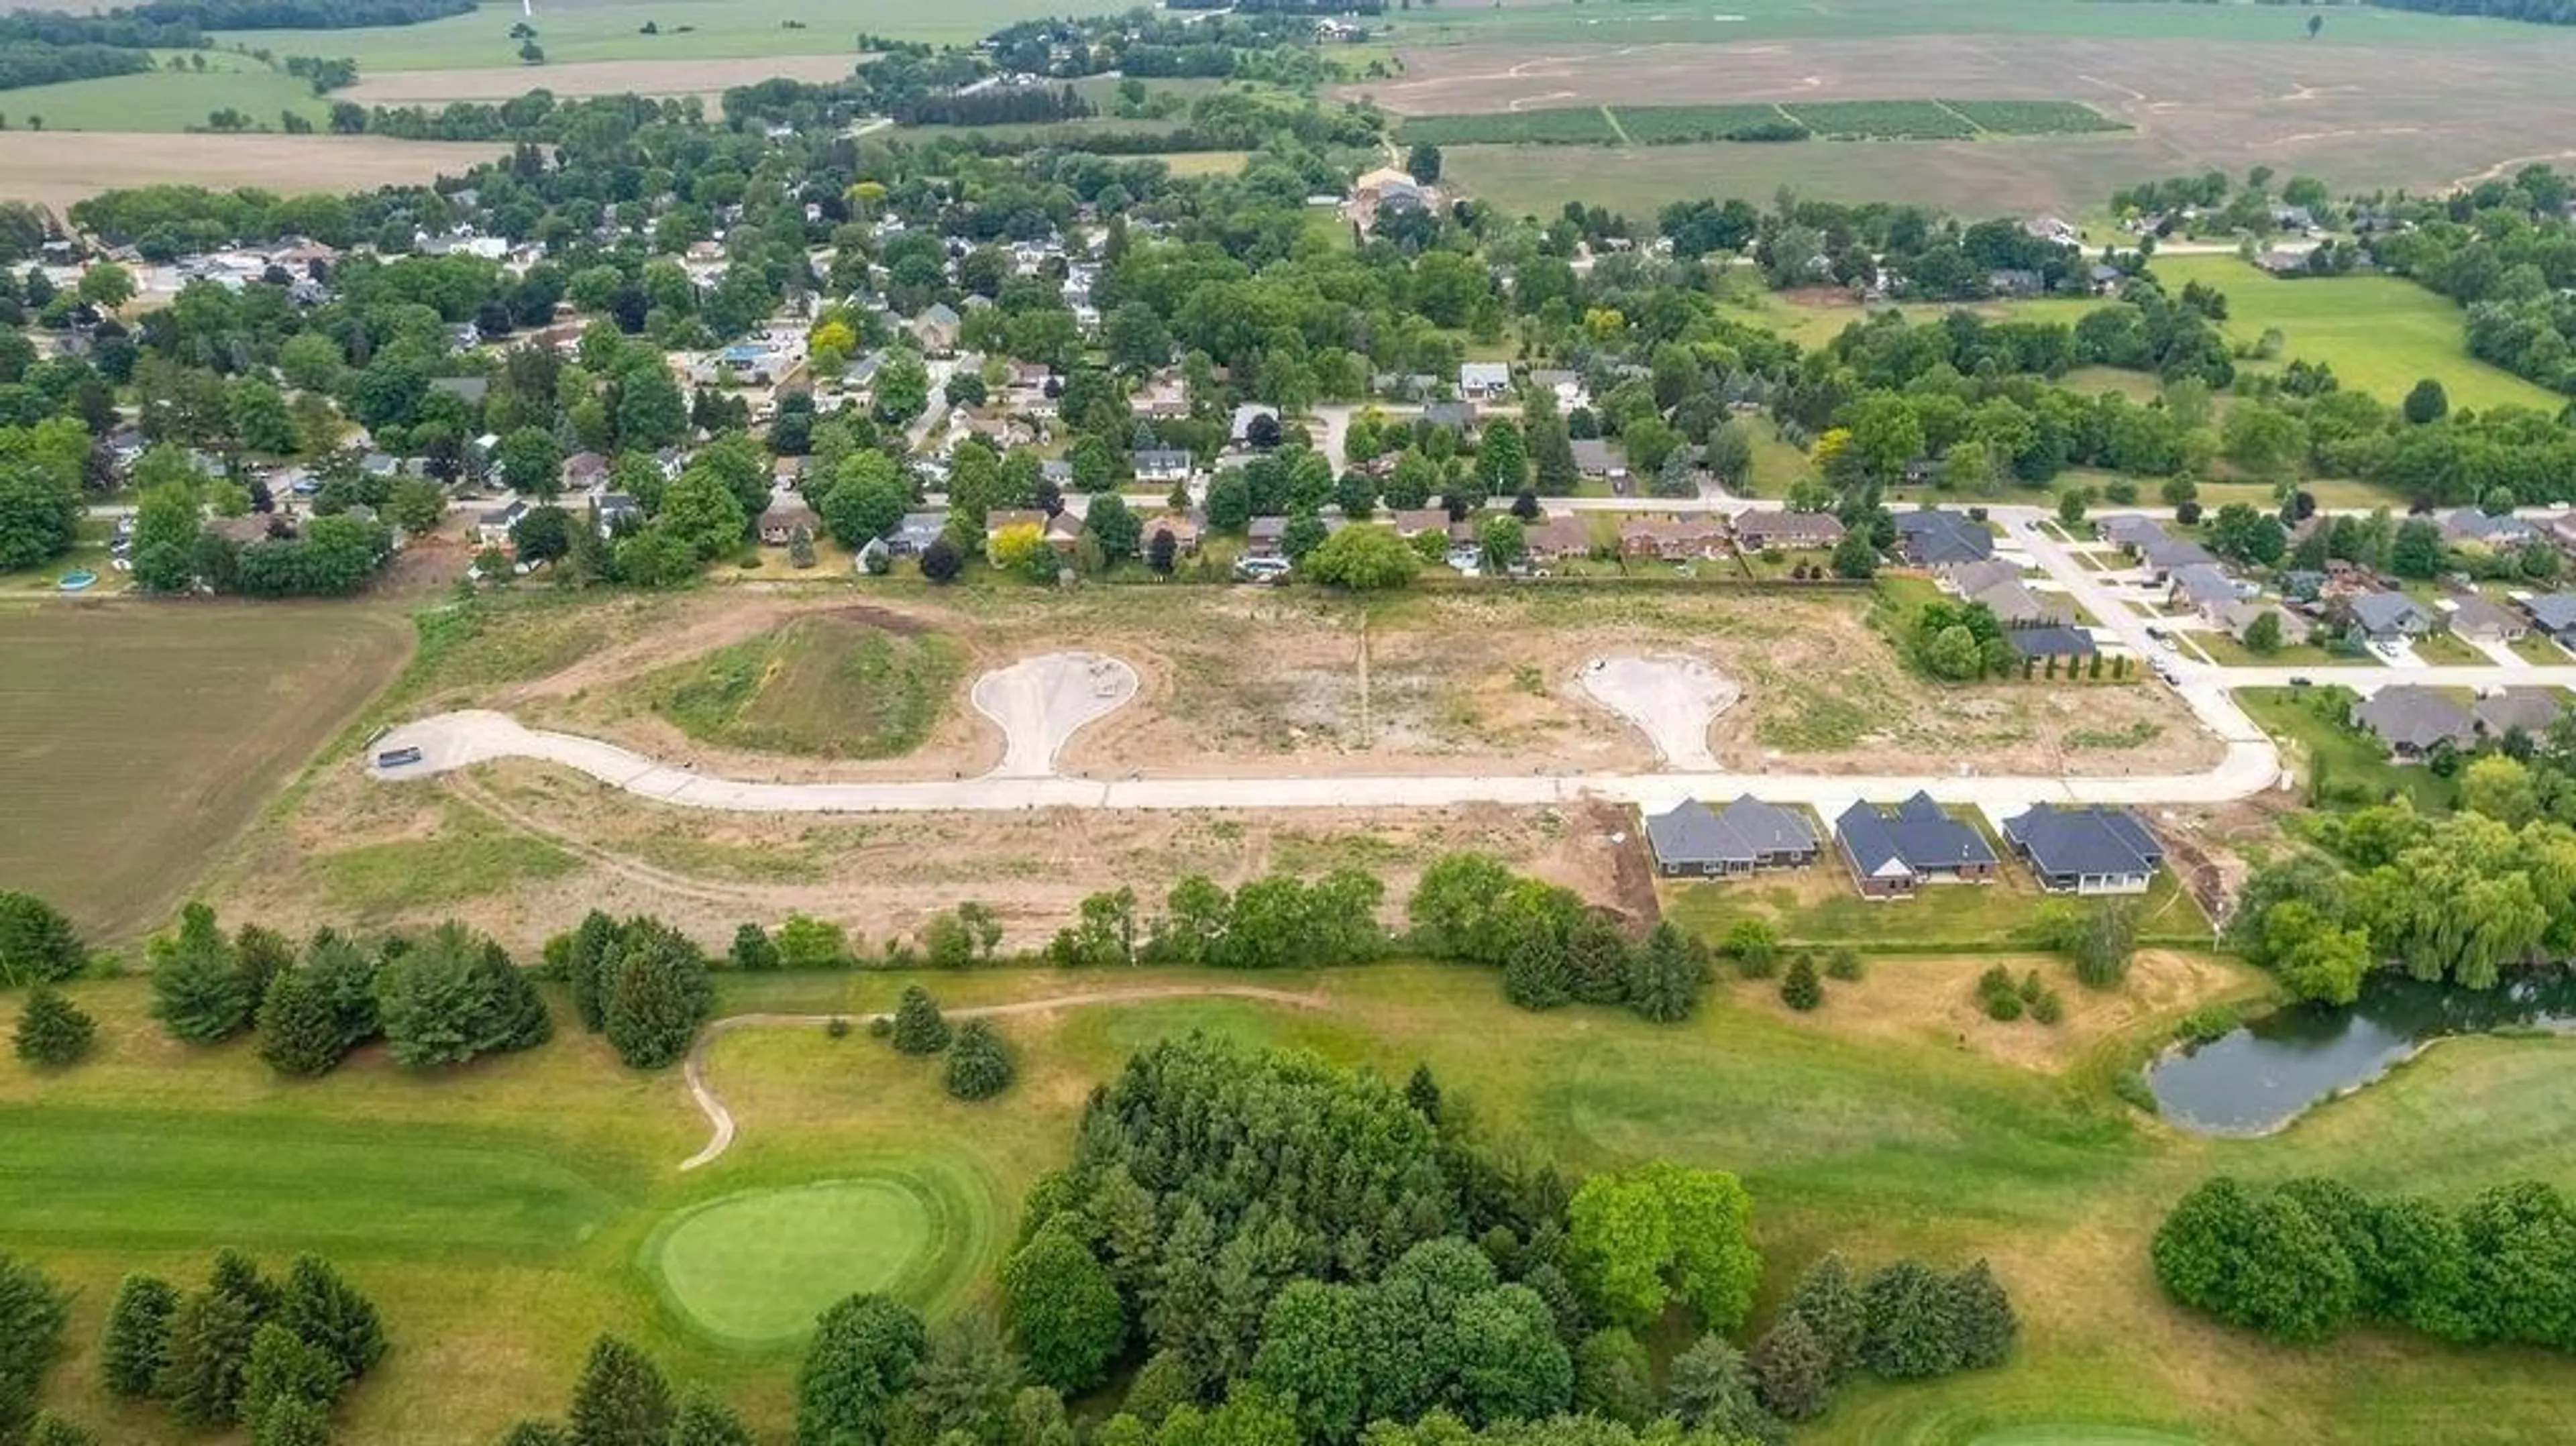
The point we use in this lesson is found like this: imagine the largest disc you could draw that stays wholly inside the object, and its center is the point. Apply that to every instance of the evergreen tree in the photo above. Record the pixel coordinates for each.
(621, 1399)
(293, 1421)
(37, 943)
(1596, 959)
(137, 1343)
(210, 1338)
(1980, 1316)
(328, 1312)
(1791, 1372)
(1063, 1310)
(584, 967)
(284, 1367)
(1534, 972)
(52, 1031)
(864, 1354)
(1909, 1326)
(534, 1433)
(657, 994)
(918, 1029)
(517, 1018)
(1712, 1391)
(1666, 975)
(1423, 1093)
(1800, 989)
(261, 955)
(979, 1063)
(299, 1029)
(452, 997)
(53, 1430)
(706, 1421)
(1831, 1306)
(753, 951)
(346, 976)
(197, 993)
(32, 1317)
(1162, 1385)
(237, 1275)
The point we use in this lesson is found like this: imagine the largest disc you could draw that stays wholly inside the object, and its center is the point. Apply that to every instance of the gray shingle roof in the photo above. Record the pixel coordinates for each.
(1918, 836)
(2051, 642)
(1931, 537)
(2387, 612)
(2413, 717)
(1745, 830)
(2554, 612)
(2078, 841)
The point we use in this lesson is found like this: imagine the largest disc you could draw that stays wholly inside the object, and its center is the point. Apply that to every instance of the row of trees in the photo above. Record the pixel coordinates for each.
(1552, 948)
(2306, 1259)
(244, 1349)
(640, 982)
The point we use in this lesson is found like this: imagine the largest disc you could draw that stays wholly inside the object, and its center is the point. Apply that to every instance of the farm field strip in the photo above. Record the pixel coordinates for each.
(1657, 125)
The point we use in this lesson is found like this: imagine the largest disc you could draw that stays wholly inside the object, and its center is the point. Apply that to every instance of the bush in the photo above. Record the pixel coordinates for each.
(1802, 990)
(2256, 1259)
(2003, 1008)
(979, 1063)
(1845, 964)
(52, 1031)
(839, 1028)
(917, 1027)
(1754, 947)
(2048, 1008)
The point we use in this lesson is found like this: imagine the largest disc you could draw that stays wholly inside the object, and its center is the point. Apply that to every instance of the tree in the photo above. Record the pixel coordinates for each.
(1505, 542)
(2427, 403)
(1658, 1231)
(40, 512)
(867, 498)
(2255, 1259)
(1831, 1307)
(1712, 1391)
(657, 994)
(107, 285)
(531, 463)
(651, 413)
(918, 1029)
(1062, 1308)
(1116, 528)
(1363, 559)
(1666, 975)
(2071, 503)
(52, 1031)
(197, 993)
(452, 997)
(1980, 1318)
(300, 1030)
(283, 1367)
(136, 1346)
(294, 1422)
(2263, 635)
(752, 951)
(621, 1399)
(328, 1312)
(979, 1063)
(1791, 1372)
(1856, 556)
(1801, 989)
(37, 943)
(1422, 162)
(1613, 1378)
(1534, 971)
(940, 561)
(32, 1316)
(865, 1352)
(1304, 533)
(2416, 550)
(705, 1421)
(52, 1430)
(1909, 1330)
(210, 1343)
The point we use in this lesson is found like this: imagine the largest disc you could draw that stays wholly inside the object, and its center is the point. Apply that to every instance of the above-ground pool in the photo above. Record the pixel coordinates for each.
(81, 581)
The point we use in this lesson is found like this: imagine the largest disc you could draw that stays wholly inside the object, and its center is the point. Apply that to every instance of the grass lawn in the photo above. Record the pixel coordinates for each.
(755, 1269)
(2444, 648)
(2315, 741)
(2329, 492)
(2540, 648)
(2229, 653)
(2381, 334)
(504, 1215)
(1818, 907)
(137, 738)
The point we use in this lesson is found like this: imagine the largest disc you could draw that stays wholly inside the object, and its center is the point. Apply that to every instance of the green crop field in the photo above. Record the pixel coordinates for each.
(2380, 333)
(136, 740)
(822, 685)
(165, 100)
(1570, 126)
(504, 1215)
(2032, 117)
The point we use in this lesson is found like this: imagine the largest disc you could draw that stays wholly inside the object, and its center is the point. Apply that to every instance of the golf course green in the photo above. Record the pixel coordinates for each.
(754, 1269)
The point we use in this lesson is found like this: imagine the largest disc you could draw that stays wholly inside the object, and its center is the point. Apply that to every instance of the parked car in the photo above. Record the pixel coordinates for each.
(1262, 569)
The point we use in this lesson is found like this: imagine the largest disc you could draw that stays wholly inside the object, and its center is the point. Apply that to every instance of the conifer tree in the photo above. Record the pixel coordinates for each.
(621, 1399)
(284, 1367)
(137, 1343)
(299, 1030)
(918, 1029)
(210, 1336)
(294, 1422)
(706, 1421)
(329, 1313)
(52, 1031)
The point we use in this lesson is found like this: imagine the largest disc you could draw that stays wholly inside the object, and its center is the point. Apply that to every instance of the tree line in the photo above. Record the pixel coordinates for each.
(24, 63)
(2307, 1259)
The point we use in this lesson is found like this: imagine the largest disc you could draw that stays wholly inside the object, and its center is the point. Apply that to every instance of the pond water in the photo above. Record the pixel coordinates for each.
(2260, 1075)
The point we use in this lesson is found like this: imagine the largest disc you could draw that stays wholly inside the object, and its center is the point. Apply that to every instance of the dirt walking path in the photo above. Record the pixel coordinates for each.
(720, 1119)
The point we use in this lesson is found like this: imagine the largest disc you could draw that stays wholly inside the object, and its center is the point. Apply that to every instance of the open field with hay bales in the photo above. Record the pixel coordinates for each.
(136, 741)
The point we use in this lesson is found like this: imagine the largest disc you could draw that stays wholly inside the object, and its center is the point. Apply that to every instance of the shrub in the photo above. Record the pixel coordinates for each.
(1754, 947)
(1845, 964)
(2048, 1008)
(839, 1028)
(37, 943)
(52, 1031)
(1802, 990)
(979, 1063)
(2004, 1008)
(917, 1027)
(1791, 1371)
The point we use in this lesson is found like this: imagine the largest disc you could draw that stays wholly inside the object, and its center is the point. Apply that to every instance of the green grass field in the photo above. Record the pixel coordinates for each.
(755, 1269)
(166, 100)
(504, 1215)
(1819, 907)
(823, 685)
(137, 738)
(2381, 334)
(2348, 757)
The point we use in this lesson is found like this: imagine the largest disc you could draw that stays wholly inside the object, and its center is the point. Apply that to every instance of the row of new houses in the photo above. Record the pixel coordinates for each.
(1891, 853)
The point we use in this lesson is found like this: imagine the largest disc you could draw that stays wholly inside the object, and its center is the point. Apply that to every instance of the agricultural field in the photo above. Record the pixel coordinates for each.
(135, 742)
(2382, 334)
(2369, 103)
(1662, 125)
(55, 173)
(165, 100)
(1890, 1121)
(707, 77)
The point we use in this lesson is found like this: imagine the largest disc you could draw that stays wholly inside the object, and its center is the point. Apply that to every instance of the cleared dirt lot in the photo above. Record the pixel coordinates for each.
(593, 77)
(2358, 115)
(58, 170)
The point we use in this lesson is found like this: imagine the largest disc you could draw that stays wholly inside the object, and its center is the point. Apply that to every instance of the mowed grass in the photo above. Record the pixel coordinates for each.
(755, 1269)
(168, 100)
(2381, 334)
(502, 1215)
(1819, 906)
(823, 685)
(136, 740)
(2346, 756)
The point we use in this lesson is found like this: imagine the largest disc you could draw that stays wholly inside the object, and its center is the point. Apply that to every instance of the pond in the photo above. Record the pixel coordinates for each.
(2262, 1074)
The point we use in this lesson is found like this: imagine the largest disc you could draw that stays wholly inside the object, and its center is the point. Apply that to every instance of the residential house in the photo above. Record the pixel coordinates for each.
(916, 530)
(1458, 417)
(2239, 617)
(1558, 537)
(2283, 261)
(1892, 854)
(2554, 614)
(1597, 460)
(1673, 539)
(1063, 531)
(1263, 537)
(2205, 588)
(492, 525)
(1929, 537)
(2016, 606)
(1163, 396)
(615, 512)
(1411, 522)
(936, 328)
(1692, 839)
(786, 516)
(2531, 710)
(2092, 850)
(2052, 230)
(1484, 381)
(1240, 433)
(2127, 531)
(2470, 525)
(2413, 719)
(2478, 620)
(2384, 615)
(1567, 387)
(2050, 642)
(252, 527)
(1765, 528)
(1184, 528)
(1161, 465)
(584, 470)
(2162, 556)
(1967, 579)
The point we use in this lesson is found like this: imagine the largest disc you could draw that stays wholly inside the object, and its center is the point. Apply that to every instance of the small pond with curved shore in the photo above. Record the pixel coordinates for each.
(2264, 1073)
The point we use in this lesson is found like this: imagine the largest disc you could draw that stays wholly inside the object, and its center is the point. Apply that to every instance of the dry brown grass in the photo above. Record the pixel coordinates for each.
(55, 171)
(592, 77)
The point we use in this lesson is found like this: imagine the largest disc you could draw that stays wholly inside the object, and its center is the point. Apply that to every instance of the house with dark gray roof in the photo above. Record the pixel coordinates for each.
(2051, 642)
(2164, 556)
(1596, 458)
(2016, 606)
(2093, 850)
(2470, 525)
(2473, 617)
(2413, 719)
(1892, 854)
(1929, 537)
(1692, 839)
(2554, 614)
(2530, 709)
(2390, 615)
